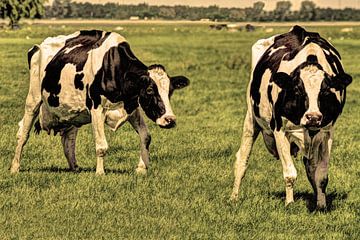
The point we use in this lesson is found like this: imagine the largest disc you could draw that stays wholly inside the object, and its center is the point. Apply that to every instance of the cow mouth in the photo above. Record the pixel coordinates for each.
(166, 121)
(313, 128)
(168, 126)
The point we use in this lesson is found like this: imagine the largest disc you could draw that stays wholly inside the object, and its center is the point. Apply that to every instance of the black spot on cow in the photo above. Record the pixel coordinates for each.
(78, 81)
(53, 100)
(329, 105)
(31, 52)
(312, 59)
(89, 102)
(74, 52)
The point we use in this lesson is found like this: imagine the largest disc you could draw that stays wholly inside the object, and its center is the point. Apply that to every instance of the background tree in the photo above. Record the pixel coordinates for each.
(307, 11)
(61, 8)
(282, 10)
(17, 9)
(258, 10)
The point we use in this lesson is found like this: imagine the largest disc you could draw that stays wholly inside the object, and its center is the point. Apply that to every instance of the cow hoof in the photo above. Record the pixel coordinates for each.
(234, 197)
(100, 173)
(141, 171)
(75, 169)
(288, 203)
(14, 169)
(321, 208)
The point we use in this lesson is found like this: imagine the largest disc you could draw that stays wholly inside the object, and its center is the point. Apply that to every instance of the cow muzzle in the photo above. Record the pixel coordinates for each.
(166, 121)
(313, 119)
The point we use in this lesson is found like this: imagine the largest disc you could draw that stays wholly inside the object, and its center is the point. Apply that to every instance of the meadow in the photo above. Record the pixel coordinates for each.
(186, 192)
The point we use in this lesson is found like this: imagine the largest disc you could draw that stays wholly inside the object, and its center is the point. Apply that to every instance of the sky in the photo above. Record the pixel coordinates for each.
(269, 4)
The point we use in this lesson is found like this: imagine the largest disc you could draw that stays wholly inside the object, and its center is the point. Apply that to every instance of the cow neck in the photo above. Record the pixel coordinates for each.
(119, 78)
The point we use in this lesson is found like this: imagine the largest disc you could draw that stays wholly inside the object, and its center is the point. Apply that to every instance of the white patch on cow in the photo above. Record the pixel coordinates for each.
(116, 118)
(310, 49)
(72, 48)
(141, 168)
(312, 78)
(326, 51)
(163, 84)
(72, 101)
(115, 114)
(259, 48)
(264, 105)
(273, 50)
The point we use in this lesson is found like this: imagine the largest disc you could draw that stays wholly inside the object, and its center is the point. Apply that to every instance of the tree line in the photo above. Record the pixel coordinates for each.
(14, 10)
(307, 12)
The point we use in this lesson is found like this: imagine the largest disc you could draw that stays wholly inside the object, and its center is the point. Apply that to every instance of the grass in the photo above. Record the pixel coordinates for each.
(186, 191)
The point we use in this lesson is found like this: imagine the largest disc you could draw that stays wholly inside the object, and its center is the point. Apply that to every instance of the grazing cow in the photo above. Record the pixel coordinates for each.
(93, 77)
(297, 92)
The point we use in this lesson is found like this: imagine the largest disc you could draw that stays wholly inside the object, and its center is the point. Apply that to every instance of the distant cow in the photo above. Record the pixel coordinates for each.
(93, 77)
(297, 92)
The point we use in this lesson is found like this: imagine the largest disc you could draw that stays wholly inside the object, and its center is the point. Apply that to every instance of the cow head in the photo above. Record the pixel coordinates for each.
(311, 97)
(155, 96)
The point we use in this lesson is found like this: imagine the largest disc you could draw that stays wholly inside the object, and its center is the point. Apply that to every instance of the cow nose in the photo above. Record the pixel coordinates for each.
(313, 118)
(170, 120)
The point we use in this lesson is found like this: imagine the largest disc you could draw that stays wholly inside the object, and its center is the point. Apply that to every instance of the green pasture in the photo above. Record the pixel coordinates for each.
(186, 193)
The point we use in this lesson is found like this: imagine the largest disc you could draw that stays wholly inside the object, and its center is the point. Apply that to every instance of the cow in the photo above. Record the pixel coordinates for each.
(92, 76)
(296, 93)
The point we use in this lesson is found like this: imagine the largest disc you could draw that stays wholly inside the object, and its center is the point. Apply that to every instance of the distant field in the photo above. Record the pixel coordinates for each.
(186, 191)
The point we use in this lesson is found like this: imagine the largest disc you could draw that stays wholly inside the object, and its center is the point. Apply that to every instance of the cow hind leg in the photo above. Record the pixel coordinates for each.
(98, 121)
(32, 106)
(68, 140)
(249, 135)
(138, 123)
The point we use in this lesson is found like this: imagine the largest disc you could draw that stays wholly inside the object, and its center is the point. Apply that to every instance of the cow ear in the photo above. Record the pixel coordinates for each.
(283, 80)
(179, 82)
(340, 81)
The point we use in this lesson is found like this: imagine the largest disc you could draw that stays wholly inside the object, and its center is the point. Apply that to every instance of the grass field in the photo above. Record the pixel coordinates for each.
(187, 189)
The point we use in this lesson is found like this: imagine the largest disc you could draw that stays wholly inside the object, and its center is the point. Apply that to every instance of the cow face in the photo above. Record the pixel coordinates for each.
(155, 97)
(311, 97)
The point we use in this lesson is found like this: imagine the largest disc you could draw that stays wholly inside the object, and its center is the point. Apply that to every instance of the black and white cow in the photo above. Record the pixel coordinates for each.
(297, 92)
(93, 77)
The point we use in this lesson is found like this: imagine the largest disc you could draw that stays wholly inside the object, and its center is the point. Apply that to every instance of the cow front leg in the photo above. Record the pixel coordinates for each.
(101, 146)
(289, 170)
(32, 106)
(138, 123)
(249, 135)
(68, 140)
(317, 170)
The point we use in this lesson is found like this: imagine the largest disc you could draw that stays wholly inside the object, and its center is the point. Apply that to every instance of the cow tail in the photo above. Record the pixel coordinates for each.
(31, 52)
(37, 127)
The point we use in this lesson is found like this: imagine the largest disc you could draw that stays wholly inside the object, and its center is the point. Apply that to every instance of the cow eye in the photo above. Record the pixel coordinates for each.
(149, 90)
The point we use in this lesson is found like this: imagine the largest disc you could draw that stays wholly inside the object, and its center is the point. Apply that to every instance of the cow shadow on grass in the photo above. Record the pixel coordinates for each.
(54, 169)
(310, 200)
